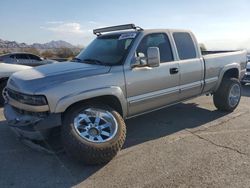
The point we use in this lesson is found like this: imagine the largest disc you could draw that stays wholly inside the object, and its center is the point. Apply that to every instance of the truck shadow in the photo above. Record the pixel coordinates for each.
(139, 130)
(168, 121)
(246, 90)
(153, 126)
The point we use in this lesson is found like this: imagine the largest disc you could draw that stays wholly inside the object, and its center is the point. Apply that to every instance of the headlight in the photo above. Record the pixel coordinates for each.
(36, 100)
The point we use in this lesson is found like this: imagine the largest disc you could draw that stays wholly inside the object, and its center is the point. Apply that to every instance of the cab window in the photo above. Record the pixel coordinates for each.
(185, 45)
(159, 40)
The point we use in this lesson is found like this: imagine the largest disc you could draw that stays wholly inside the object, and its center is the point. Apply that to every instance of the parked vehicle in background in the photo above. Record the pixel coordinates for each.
(14, 62)
(246, 79)
(118, 76)
(6, 70)
(25, 59)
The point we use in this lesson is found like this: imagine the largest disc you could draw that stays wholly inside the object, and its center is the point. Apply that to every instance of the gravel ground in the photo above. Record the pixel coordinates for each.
(187, 145)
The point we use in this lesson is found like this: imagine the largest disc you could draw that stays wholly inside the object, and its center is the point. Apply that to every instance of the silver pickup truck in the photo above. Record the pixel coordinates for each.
(122, 74)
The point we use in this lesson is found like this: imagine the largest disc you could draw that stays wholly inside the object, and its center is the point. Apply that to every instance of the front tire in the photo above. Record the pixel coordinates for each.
(228, 96)
(93, 134)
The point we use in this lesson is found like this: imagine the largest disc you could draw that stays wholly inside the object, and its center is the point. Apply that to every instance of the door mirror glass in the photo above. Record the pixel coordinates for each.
(153, 59)
(139, 60)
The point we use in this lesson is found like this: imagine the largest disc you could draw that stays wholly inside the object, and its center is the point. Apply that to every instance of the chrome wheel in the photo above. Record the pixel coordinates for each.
(96, 125)
(234, 95)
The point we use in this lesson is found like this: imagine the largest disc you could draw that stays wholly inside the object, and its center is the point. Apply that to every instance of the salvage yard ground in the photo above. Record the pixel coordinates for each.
(187, 145)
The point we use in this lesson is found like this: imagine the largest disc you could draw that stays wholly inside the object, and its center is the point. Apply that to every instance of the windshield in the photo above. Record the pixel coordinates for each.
(107, 50)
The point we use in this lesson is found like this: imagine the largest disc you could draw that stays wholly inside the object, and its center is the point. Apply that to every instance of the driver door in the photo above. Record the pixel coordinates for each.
(150, 88)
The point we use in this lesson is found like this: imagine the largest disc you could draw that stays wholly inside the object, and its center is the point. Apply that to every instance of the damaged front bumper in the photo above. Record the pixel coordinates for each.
(30, 126)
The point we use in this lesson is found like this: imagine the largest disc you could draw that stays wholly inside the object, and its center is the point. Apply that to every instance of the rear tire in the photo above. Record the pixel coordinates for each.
(228, 96)
(83, 136)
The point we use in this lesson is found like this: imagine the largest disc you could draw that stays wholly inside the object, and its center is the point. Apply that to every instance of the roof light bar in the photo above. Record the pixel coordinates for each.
(116, 28)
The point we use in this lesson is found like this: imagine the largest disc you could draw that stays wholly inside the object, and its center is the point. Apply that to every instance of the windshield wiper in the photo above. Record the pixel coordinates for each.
(94, 61)
(76, 60)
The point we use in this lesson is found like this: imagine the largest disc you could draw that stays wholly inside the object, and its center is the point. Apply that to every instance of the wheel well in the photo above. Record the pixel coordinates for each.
(232, 73)
(109, 100)
(3, 80)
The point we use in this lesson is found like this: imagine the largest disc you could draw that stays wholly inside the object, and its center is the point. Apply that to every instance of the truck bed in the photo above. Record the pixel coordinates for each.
(216, 61)
(216, 51)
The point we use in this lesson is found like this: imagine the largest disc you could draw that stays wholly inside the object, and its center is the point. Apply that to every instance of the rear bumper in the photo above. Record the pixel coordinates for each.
(28, 126)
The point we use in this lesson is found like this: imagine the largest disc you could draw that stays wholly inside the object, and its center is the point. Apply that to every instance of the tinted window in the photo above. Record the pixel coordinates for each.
(33, 57)
(22, 56)
(185, 45)
(12, 56)
(108, 49)
(159, 40)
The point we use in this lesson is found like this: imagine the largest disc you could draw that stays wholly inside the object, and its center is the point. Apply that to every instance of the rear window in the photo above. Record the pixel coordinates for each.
(33, 57)
(185, 45)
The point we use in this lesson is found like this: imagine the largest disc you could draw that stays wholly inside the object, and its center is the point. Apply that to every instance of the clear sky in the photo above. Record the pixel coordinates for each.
(220, 24)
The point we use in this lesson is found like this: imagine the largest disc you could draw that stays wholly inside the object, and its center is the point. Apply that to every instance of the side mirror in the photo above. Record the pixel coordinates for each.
(153, 54)
(139, 60)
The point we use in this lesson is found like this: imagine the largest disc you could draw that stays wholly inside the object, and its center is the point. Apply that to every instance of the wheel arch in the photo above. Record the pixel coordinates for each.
(229, 71)
(112, 97)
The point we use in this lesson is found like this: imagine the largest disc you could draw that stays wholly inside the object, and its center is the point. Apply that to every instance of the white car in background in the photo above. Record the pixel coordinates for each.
(6, 70)
(25, 59)
(14, 62)
(246, 78)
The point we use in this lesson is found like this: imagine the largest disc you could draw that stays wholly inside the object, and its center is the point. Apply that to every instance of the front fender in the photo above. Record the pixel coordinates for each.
(224, 70)
(73, 98)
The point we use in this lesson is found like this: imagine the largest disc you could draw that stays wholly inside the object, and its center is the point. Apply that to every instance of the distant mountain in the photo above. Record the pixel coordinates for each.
(53, 44)
(50, 45)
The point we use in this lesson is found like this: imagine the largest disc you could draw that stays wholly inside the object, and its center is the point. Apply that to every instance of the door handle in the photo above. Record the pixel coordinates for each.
(173, 70)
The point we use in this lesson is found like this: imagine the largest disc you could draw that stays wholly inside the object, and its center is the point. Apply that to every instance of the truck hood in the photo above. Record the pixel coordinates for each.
(32, 80)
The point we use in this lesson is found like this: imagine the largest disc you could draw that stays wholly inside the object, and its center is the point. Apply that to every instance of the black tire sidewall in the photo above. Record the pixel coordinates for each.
(221, 97)
(233, 82)
(82, 150)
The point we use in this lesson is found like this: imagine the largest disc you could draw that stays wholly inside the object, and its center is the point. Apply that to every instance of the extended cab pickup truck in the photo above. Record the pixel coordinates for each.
(121, 74)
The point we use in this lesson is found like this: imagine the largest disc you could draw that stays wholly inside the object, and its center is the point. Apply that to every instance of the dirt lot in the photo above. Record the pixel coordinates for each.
(187, 145)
